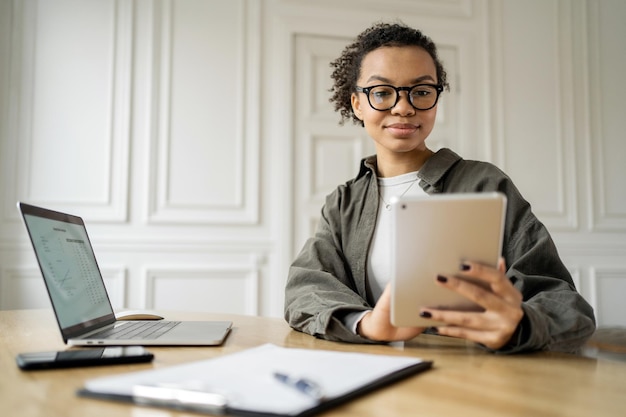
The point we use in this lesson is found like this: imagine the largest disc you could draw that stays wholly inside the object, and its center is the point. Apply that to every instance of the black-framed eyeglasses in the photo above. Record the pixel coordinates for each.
(384, 97)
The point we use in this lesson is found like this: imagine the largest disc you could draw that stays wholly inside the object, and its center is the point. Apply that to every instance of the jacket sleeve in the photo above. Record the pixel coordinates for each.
(320, 288)
(556, 316)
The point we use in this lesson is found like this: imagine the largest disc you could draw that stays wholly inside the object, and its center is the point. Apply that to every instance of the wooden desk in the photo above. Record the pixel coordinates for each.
(465, 381)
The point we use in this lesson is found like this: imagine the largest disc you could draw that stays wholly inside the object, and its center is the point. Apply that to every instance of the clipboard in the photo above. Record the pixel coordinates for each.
(264, 381)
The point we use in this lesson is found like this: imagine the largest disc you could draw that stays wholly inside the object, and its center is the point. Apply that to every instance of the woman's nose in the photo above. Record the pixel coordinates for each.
(403, 106)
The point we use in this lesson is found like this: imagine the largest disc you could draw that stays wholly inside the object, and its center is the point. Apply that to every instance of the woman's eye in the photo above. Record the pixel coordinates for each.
(421, 93)
(381, 94)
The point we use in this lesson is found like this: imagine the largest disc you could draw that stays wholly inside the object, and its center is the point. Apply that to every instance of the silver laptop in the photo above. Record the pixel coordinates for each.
(79, 298)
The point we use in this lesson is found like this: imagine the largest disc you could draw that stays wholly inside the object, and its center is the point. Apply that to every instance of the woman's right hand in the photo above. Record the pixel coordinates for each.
(376, 324)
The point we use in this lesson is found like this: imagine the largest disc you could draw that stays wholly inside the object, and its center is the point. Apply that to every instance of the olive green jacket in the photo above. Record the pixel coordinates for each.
(327, 280)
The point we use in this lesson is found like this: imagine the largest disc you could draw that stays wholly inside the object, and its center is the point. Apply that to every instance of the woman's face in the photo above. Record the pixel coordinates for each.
(402, 130)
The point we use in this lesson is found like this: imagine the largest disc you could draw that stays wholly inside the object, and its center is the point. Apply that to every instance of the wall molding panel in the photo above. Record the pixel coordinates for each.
(608, 147)
(23, 287)
(81, 106)
(205, 126)
(523, 122)
(116, 281)
(330, 153)
(209, 288)
(608, 286)
(430, 8)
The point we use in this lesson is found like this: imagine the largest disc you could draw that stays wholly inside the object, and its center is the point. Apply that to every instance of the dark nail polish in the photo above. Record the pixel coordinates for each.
(441, 278)
(465, 267)
(425, 314)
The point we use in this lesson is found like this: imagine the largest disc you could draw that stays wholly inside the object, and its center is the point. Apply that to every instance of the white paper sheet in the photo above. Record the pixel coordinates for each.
(247, 379)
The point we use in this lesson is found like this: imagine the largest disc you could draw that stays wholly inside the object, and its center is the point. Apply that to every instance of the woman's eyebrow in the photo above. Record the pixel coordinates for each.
(388, 81)
(378, 78)
(423, 78)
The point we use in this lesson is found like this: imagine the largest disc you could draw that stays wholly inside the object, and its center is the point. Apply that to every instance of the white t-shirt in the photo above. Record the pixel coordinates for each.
(378, 264)
(379, 259)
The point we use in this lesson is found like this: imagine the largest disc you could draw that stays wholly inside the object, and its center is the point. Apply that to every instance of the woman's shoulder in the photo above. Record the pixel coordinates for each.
(446, 158)
(447, 171)
(354, 190)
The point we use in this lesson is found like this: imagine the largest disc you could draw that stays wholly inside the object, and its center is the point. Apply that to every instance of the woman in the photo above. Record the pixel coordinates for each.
(389, 81)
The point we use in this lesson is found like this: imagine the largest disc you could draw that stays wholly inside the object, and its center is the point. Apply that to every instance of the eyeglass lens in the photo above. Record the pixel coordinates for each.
(384, 97)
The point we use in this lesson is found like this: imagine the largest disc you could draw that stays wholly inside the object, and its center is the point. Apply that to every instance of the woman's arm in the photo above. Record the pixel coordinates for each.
(321, 290)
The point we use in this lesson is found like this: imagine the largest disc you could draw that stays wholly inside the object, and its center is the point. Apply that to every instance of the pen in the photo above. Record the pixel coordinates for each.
(305, 386)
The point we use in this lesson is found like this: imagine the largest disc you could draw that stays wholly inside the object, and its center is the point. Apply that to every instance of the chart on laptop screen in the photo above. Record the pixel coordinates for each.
(70, 270)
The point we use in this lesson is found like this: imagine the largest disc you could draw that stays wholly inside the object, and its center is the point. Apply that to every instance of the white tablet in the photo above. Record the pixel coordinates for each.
(433, 235)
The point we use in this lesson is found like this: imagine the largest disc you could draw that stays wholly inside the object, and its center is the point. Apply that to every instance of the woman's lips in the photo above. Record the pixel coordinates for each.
(402, 129)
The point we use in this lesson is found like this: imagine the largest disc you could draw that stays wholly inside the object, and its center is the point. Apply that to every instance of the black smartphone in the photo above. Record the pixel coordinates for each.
(83, 357)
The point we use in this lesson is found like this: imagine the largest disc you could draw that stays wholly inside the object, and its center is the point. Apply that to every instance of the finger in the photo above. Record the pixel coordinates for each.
(460, 319)
(479, 295)
(488, 320)
(498, 282)
(488, 328)
(502, 265)
(376, 325)
(481, 272)
(492, 340)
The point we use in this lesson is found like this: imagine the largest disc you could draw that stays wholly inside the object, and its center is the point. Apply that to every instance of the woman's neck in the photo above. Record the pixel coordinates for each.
(398, 164)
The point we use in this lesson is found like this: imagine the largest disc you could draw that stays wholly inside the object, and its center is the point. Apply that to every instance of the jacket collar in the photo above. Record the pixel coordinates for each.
(431, 174)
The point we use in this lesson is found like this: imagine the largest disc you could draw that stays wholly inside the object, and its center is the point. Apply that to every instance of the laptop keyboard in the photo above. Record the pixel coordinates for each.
(146, 330)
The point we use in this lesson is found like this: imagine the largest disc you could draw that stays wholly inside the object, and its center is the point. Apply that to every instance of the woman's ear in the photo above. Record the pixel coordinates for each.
(356, 106)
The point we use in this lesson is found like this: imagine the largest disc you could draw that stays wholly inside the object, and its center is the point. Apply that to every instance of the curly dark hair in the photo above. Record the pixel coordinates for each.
(347, 67)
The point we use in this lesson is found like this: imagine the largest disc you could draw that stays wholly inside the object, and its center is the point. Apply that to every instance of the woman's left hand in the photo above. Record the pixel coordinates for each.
(503, 306)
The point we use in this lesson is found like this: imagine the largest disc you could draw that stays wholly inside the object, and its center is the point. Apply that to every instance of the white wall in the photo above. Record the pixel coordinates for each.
(196, 139)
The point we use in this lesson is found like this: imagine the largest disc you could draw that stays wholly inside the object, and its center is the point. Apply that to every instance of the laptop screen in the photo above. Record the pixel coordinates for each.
(69, 268)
